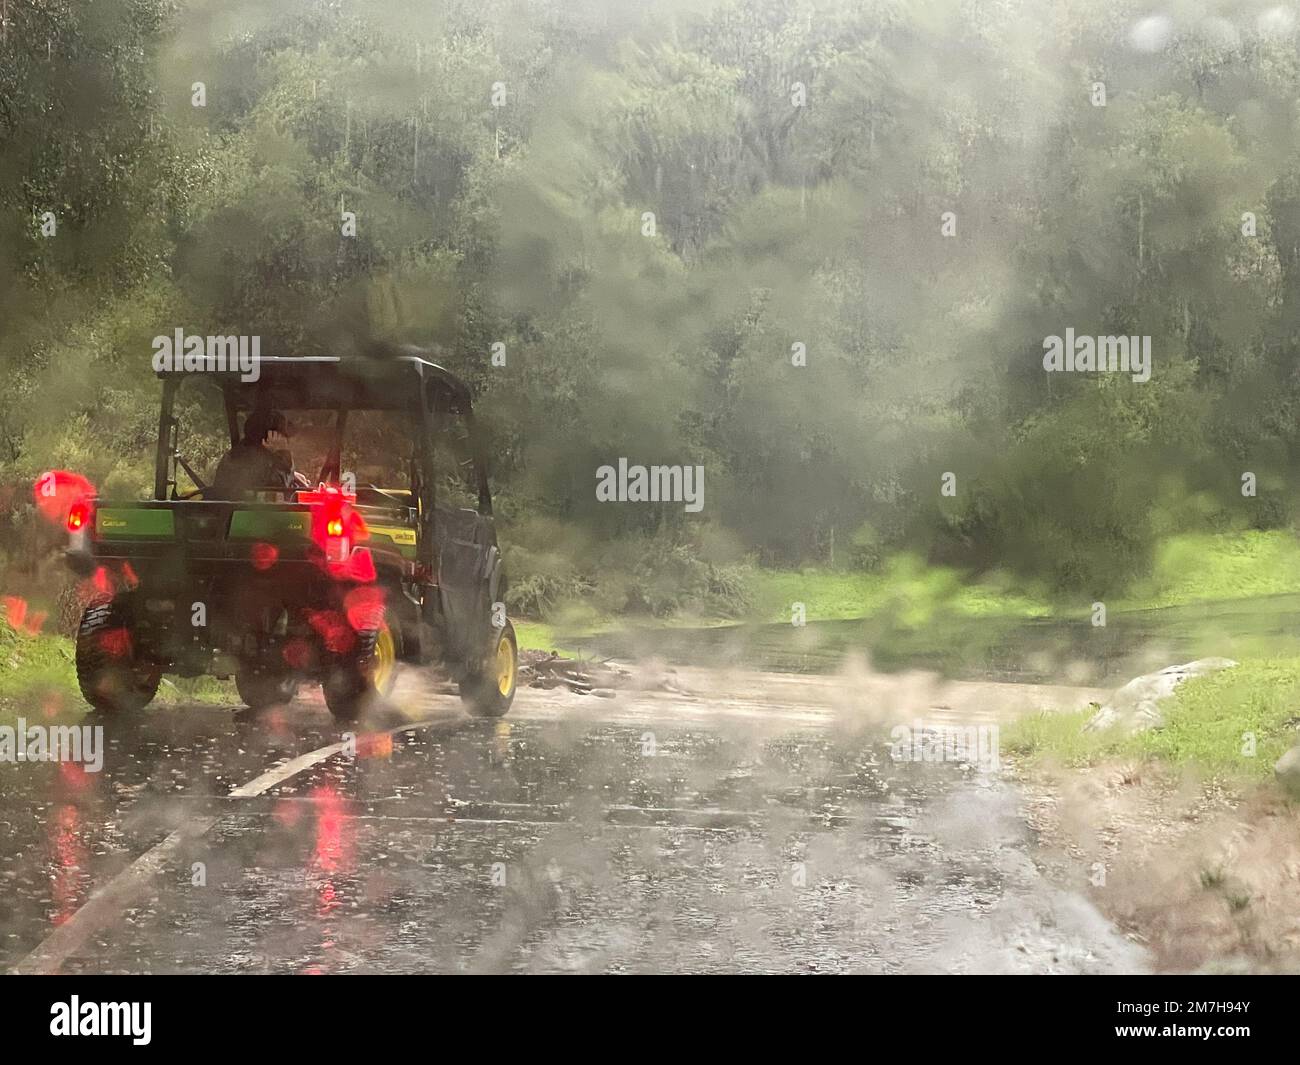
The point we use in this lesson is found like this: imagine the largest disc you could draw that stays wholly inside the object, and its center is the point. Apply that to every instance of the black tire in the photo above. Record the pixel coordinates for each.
(489, 688)
(260, 690)
(112, 676)
(357, 679)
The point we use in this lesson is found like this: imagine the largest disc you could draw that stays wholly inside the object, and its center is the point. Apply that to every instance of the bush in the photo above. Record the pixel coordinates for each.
(538, 595)
(671, 579)
(866, 548)
(552, 567)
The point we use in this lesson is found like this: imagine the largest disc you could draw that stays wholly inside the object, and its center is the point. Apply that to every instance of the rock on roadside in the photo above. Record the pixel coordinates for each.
(1135, 706)
(1287, 771)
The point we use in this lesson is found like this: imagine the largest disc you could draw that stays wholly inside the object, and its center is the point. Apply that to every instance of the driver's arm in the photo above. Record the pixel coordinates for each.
(276, 448)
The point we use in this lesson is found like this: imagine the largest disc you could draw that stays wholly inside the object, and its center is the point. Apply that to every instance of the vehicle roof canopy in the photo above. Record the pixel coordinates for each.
(385, 378)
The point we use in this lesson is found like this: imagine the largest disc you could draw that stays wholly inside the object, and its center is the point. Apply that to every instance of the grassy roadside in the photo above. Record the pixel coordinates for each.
(905, 586)
(1209, 725)
(1193, 568)
(1207, 720)
(541, 636)
(1204, 568)
(1188, 569)
(38, 673)
(34, 669)
(552, 633)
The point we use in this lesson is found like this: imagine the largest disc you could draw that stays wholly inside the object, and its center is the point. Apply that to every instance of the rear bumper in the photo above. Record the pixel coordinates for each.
(218, 556)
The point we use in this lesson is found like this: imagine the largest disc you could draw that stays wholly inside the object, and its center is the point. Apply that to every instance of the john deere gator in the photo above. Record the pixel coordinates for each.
(380, 550)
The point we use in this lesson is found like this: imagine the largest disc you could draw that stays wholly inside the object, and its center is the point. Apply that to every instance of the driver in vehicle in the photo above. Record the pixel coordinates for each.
(260, 462)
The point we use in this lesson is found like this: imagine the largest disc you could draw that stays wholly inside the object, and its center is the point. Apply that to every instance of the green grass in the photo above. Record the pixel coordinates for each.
(39, 671)
(581, 620)
(1197, 568)
(539, 636)
(1188, 569)
(34, 671)
(905, 586)
(1192, 568)
(1207, 723)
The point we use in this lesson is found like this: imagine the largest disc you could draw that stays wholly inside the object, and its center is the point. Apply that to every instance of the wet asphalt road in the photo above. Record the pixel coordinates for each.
(652, 832)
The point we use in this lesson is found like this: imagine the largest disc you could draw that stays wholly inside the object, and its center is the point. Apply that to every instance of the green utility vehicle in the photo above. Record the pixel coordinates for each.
(380, 548)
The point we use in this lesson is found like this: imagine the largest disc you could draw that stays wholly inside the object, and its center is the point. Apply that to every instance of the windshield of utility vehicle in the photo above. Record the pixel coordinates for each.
(375, 446)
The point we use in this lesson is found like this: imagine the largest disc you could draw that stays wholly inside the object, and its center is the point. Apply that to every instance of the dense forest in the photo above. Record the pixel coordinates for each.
(814, 246)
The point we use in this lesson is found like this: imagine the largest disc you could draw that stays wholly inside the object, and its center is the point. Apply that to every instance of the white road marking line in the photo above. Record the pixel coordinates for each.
(107, 902)
(272, 777)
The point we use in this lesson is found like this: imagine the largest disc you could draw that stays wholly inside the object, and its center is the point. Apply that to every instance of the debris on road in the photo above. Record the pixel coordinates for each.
(541, 669)
(590, 676)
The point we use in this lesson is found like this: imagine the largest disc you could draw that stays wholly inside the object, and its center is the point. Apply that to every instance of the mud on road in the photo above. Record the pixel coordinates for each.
(739, 822)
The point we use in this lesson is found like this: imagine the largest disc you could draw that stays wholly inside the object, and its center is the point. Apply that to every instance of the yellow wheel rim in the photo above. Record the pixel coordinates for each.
(505, 666)
(385, 658)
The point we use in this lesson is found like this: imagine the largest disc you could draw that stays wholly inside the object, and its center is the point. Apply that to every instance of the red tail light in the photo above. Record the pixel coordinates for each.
(335, 526)
(57, 493)
(80, 515)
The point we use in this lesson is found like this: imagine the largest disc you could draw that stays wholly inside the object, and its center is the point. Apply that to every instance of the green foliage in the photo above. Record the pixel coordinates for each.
(774, 225)
(1207, 567)
(538, 595)
(38, 670)
(35, 671)
(904, 590)
(554, 576)
(672, 578)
